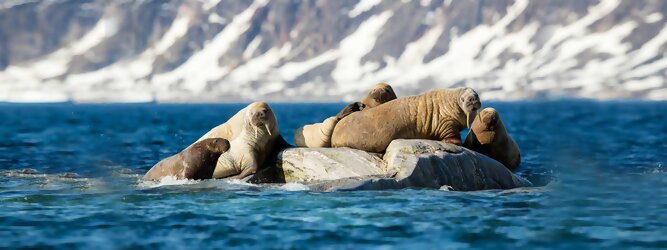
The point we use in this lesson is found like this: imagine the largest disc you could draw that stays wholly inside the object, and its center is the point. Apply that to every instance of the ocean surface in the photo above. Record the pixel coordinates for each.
(69, 178)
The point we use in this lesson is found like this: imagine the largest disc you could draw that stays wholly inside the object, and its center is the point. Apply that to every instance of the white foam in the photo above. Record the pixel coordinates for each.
(167, 181)
(293, 186)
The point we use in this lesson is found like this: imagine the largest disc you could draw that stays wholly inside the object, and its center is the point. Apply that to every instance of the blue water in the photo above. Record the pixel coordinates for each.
(69, 178)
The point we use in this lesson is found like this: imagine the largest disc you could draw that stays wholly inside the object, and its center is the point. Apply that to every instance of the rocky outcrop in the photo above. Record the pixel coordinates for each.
(406, 164)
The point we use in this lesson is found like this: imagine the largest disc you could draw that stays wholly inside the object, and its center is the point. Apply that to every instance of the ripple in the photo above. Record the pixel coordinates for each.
(71, 178)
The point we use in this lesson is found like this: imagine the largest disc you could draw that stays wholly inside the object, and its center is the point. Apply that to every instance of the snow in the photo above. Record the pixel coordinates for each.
(252, 47)
(258, 66)
(459, 62)
(653, 18)
(645, 84)
(8, 4)
(178, 29)
(203, 67)
(215, 18)
(363, 6)
(650, 49)
(290, 71)
(558, 66)
(353, 47)
(209, 4)
(35, 96)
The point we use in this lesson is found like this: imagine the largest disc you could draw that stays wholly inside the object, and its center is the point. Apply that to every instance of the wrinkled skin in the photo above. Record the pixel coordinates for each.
(253, 145)
(435, 115)
(489, 137)
(196, 162)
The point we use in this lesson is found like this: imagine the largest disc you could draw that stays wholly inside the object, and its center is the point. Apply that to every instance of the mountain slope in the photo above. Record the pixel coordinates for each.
(173, 51)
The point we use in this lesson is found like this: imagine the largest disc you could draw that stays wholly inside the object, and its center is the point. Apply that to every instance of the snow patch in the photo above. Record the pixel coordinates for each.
(203, 67)
(652, 18)
(363, 6)
(349, 68)
(292, 70)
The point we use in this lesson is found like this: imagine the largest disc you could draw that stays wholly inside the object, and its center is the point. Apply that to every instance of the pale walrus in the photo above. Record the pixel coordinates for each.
(489, 137)
(196, 162)
(318, 135)
(436, 115)
(258, 131)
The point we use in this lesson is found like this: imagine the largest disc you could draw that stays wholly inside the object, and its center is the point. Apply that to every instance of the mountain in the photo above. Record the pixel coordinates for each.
(318, 50)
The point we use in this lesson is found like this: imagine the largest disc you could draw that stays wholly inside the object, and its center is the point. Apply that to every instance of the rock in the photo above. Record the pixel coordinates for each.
(406, 164)
(323, 164)
(433, 164)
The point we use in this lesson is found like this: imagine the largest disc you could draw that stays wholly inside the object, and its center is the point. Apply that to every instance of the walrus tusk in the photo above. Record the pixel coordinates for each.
(256, 131)
(266, 125)
(468, 121)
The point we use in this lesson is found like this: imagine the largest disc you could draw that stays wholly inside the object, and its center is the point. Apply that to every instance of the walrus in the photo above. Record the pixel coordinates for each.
(251, 147)
(489, 137)
(318, 135)
(196, 162)
(233, 127)
(379, 94)
(435, 115)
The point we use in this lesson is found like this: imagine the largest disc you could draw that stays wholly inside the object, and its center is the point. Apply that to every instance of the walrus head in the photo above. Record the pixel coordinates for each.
(349, 109)
(216, 145)
(485, 125)
(469, 103)
(379, 94)
(260, 117)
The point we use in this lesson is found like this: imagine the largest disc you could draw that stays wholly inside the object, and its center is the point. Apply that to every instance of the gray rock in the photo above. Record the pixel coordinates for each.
(324, 164)
(406, 164)
(433, 164)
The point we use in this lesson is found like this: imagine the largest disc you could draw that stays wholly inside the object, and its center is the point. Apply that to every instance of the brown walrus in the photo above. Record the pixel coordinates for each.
(318, 135)
(489, 137)
(379, 94)
(196, 162)
(252, 146)
(436, 115)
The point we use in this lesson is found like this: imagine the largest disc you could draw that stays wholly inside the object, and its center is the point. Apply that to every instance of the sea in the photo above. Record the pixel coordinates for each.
(70, 179)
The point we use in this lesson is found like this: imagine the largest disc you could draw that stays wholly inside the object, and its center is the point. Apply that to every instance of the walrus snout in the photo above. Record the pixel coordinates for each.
(220, 145)
(259, 117)
(489, 117)
(485, 126)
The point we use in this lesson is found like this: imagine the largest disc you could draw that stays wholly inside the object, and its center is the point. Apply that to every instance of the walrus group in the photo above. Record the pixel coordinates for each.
(250, 139)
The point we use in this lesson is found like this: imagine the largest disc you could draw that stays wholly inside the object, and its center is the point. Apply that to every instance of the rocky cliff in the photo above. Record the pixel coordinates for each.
(187, 50)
